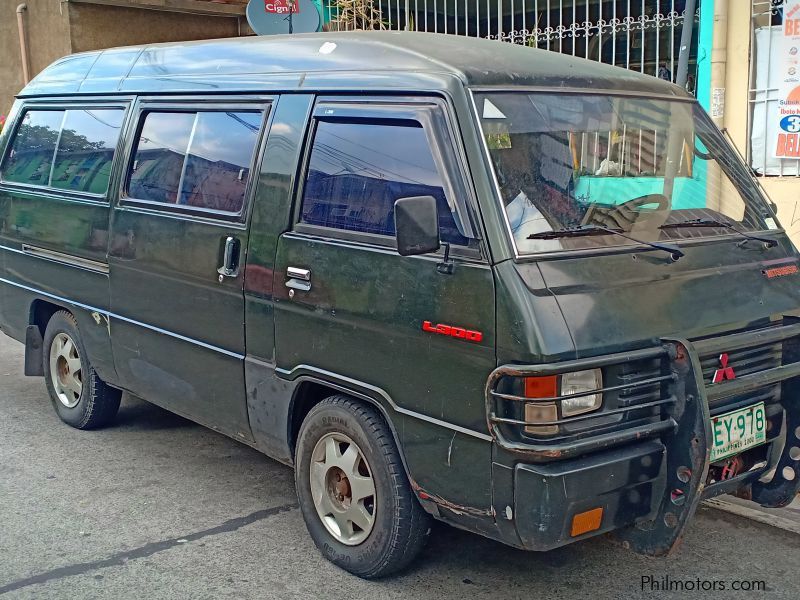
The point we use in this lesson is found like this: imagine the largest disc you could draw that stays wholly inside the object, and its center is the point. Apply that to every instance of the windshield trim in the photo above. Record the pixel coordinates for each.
(613, 248)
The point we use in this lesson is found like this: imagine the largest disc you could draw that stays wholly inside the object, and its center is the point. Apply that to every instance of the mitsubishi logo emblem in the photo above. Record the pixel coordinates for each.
(724, 372)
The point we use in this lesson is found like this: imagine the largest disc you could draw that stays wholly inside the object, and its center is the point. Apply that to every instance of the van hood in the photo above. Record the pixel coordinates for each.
(614, 302)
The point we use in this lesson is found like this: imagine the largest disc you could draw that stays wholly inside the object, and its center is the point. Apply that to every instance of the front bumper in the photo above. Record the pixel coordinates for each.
(650, 473)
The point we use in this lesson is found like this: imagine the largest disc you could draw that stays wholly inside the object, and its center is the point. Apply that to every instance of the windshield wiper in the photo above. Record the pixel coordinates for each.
(582, 230)
(724, 224)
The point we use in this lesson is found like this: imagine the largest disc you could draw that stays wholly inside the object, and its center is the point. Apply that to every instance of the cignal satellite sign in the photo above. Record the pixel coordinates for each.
(272, 17)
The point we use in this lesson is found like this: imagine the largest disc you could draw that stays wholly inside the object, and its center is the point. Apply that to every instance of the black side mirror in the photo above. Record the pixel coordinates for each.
(416, 225)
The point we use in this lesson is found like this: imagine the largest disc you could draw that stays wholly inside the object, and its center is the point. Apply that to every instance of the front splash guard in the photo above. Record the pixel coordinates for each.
(687, 460)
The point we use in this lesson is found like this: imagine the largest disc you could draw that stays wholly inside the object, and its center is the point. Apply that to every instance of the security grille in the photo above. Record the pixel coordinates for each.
(643, 35)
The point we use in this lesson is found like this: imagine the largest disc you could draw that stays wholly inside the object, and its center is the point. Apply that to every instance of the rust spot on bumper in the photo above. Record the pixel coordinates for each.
(451, 506)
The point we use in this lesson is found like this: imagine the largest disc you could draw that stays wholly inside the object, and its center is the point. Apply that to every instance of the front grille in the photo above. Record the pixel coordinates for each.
(744, 361)
(633, 373)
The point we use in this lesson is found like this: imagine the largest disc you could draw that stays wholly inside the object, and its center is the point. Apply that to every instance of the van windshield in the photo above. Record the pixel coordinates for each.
(652, 169)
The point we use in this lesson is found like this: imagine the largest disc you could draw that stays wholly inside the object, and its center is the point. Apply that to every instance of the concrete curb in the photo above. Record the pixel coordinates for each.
(787, 518)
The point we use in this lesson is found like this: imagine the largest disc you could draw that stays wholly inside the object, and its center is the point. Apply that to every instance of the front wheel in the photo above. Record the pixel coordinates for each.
(353, 492)
(79, 396)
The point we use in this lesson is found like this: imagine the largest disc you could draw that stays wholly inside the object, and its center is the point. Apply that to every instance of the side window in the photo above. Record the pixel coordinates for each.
(158, 163)
(66, 149)
(196, 159)
(86, 149)
(32, 148)
(358, 170)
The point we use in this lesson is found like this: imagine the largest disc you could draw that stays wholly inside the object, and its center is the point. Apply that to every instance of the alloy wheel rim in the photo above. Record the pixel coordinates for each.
(66, 373)
(343, 489)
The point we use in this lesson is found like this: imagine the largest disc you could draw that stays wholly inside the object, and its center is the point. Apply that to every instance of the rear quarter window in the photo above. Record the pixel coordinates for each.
(71, 149)
(86, 150)
(31, 150)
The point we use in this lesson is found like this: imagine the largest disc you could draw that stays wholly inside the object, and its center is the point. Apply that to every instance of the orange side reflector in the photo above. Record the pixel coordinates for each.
(541, 387)
(586, 521)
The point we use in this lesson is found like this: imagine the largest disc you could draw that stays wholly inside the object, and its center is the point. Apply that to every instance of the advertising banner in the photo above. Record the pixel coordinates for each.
(787, 144)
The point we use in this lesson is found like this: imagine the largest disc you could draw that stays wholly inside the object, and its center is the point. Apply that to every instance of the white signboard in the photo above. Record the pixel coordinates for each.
(717, 103)
(787, 117)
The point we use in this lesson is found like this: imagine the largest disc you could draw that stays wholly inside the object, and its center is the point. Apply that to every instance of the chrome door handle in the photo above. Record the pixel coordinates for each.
(230, 258)
(298, 273)
(298, 279)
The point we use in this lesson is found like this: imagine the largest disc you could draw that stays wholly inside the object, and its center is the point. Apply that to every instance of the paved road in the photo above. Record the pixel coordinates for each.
(157, 507)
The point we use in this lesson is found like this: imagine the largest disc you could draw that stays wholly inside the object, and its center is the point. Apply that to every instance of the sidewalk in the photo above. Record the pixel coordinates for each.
(787, 518)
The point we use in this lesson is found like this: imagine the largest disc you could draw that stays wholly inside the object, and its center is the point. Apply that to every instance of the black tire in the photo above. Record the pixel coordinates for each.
(400, 527)
(98, 403)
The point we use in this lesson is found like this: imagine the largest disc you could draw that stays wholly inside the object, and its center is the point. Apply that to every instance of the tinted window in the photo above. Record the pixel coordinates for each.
(218, 164)
(33, 147)
(195, 159)
(86, 149)
(158, 162)
(357, 171)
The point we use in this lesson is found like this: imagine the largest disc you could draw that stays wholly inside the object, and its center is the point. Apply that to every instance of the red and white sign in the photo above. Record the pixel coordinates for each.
(281, 7)
(788, 107)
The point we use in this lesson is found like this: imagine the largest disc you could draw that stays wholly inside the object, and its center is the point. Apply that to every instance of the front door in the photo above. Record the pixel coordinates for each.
(348, 306)
(179, 234)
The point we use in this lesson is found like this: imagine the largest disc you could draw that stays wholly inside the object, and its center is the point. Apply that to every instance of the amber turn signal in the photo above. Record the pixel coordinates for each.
(541, 387)
(586, 521)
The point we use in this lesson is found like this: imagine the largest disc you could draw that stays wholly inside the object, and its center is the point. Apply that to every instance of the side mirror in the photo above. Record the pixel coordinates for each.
(416, 225)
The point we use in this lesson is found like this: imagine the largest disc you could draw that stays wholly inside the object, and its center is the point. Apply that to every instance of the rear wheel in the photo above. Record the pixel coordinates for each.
(354, 494)
(79, 396)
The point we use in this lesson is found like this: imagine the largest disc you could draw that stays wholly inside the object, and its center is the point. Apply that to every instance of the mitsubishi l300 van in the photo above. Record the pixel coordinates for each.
(532, 296)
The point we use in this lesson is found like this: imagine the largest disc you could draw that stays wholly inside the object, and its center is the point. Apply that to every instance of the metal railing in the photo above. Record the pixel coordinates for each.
(642, 35)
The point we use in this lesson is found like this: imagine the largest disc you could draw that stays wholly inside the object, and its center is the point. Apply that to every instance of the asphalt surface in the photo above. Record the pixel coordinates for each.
(157, 507)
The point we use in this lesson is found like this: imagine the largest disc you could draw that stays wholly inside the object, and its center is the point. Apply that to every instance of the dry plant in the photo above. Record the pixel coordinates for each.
(349, 15)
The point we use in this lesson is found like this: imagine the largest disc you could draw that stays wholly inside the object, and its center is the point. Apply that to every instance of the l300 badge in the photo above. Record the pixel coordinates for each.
(457, 332)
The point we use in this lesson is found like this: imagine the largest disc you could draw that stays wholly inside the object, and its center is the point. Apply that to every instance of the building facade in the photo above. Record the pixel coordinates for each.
(53, 28)
(752, 77)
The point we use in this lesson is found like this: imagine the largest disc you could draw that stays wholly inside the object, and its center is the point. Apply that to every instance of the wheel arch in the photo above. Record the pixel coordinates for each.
(94, 327)
(40, 312)
(310, 390)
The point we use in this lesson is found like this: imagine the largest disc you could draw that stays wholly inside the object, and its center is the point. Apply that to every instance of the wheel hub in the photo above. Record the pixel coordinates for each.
(66, 374)
(339, 487)
(342, 488)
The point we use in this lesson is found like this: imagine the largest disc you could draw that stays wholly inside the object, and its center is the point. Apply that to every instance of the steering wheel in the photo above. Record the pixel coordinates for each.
(623, 215)
(660, 199)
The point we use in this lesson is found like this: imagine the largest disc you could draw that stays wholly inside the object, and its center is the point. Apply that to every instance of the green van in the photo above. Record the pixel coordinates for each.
(532, 296)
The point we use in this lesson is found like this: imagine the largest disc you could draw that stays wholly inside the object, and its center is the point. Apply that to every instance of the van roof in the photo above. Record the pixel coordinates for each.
(376, 59)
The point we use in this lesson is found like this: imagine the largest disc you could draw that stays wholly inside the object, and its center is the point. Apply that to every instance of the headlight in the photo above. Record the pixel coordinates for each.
(567, 384)
(580, 382)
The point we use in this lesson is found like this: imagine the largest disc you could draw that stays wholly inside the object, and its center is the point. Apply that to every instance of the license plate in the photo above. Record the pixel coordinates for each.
(737, 431)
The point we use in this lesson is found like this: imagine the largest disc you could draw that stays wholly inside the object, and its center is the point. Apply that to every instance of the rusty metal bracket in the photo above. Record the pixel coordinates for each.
(687, 461)
(785, 482)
